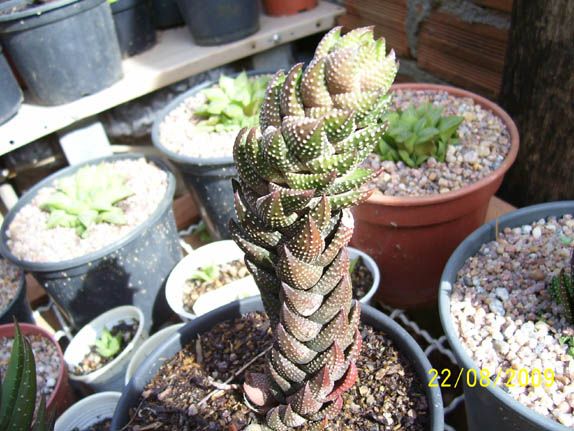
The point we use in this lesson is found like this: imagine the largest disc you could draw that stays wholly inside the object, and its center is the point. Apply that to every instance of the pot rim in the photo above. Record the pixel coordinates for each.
(512, 219)
(162, 333)
(95, 255)
(38, 10)
(30, 329)
(378, 198)
(181, 158)
(373, 268)
(404, 342)
(183, 267)
(114, 315)
(84, 404)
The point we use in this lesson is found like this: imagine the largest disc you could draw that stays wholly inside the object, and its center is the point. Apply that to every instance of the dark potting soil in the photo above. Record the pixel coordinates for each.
(361, 278)
(94, 360)
(199, 388)
(103, 425)
(226, 273)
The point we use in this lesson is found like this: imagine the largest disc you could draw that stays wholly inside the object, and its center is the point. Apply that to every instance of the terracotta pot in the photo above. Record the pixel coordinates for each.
(62, 396)
(411, 238)
(287, 7)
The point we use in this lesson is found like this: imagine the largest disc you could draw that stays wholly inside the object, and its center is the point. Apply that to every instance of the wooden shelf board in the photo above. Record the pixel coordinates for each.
(175, 57)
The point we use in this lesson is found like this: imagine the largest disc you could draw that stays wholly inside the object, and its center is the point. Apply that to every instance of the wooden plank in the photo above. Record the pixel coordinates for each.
(500, 5)
(496, 208)
(174, 58)
(186, 211)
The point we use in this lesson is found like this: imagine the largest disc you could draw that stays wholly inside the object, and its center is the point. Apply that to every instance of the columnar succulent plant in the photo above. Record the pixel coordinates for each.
(562, 290)
(298, 178)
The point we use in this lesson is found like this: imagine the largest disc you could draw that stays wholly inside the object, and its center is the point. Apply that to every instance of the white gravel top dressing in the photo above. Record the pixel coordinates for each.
(506, 318)
(178, 133)
(9, 282)
(30, 239)
(484, 144)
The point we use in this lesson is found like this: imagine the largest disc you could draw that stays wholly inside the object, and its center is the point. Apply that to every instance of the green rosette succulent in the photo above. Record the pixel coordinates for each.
(298, 177)
(232, 104)
(88, 197)
(418, 133)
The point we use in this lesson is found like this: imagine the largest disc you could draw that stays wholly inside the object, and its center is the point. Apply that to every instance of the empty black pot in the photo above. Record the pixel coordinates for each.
(132, 270)
(216, 22)
(369, 315)
(166, 14)
(134, 26)
(64, 49)
(11, 94)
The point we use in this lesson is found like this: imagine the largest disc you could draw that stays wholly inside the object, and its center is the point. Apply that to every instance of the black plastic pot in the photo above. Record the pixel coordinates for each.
(132, 270)
(369, 315)
(166, 14)
(11, 94)
(19, 307)
(207, 179)
(64, 49)
(491, 408)
(216, 22)
(134, 26)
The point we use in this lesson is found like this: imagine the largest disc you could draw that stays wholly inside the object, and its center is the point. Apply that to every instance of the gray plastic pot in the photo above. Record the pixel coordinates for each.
(11, 94)
(18, 308)
(207, 179)
(216, 22)
(134, 26)
(88, 411)
(132, 270)
(369, 315)
(64, 49)
(491, 408)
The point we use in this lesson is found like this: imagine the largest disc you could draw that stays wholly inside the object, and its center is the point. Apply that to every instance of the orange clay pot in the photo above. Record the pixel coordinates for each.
(287, 7)
(62, 396)
(411, 238)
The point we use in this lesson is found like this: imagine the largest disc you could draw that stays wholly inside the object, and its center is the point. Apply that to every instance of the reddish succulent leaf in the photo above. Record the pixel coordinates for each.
(293, 349)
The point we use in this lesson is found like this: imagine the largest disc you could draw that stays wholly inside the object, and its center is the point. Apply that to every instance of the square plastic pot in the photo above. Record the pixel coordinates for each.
(134, 26)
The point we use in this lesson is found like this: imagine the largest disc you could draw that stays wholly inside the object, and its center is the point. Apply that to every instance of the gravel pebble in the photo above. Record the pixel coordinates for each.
(9, 281)
(29, 239)
(505, 317)
(484, 143)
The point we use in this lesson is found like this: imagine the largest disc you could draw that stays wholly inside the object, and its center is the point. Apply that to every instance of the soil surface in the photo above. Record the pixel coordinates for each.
(47, 363)
(94, 360)
(200, 387)
(507, 320)
(226, 273)
(484, 144)
(9, 281)
(361, 278)
(30, 239)
(103, 425)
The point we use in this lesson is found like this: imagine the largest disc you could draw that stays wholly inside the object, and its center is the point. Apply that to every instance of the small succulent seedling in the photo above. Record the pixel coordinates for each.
(88, 197)
(206, 274)
(18, 390)
(416, 134)
(562, 290)
(108, 345)
(353, 264)
(232, 104)
(298, 179)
